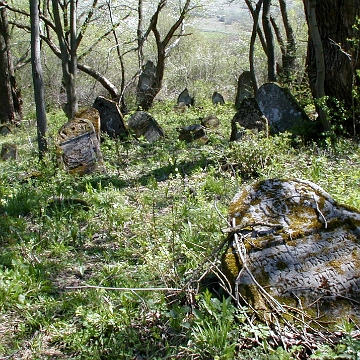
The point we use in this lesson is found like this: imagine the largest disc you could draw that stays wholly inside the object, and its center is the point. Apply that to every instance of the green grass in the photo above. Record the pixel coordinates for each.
(153, 220)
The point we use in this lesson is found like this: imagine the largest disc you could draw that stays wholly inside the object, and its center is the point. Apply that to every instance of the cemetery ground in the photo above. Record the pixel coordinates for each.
(118, 265)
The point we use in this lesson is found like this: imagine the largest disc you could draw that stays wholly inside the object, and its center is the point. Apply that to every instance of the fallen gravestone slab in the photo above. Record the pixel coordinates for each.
(249, 116)
(143, 124)
(193, 132)
(111, 119)
(293, 249)
(282, 110)
(79, 148)
(210, 122)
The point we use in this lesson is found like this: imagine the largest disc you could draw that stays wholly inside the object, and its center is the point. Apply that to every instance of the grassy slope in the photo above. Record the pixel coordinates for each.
(153, 220)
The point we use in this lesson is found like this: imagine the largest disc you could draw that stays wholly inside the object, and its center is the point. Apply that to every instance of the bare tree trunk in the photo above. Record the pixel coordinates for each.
(256, 13)
(68, 56)
(269, 40)
(320, 61)
(37, 78)
(335, 20)
(10, 99)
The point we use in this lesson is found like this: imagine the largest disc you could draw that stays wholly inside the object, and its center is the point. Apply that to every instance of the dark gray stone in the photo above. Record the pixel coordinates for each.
(111, 119)
(249, 116)
(143, 124)
(245, 88)
(146, 80)
(281, 109)
(9, 151)
(217, 98)
(185, 98)
(193, 132)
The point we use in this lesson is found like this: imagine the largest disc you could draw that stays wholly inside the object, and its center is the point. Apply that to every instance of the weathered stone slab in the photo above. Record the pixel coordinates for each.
(146, 80)
(193, 132)
(185, 98)
(143, 124)
(92, 115)
(281, 109)
(111, 119)
(5, 129)
(9, 151)
(249, 116)
(79, 147)
(210, 122)
(217, 99)
(245, 88)
(292, 243)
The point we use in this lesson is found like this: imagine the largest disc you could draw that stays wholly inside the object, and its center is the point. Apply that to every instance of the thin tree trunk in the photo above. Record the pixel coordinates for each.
(320, 61)
(10, 99)
(37, 78)
(269, 40)
(252, 45)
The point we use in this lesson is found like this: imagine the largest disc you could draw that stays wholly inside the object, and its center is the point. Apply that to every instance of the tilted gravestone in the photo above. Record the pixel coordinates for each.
(111, 119)
(281, 109)
(78, 148)
(145, 83)
(293, 249)
(185, 98)
(249, 116)
(143, 124)
(245, 88)
(217, 98)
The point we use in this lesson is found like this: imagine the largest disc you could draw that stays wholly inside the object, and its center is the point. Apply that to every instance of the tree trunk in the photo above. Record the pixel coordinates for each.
(269, 36)
(335, 20)
(10, 99)
(37, 78)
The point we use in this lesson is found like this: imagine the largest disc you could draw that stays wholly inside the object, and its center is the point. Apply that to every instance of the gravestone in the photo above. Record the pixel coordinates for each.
(193, 132)
(5, 129)
(92, 115)
(185, 98)
(249, 116)
(143, 124)
(245, 88)
(293, 249)
(210, 122)
(111, 119)
(146, 80)
(9, 151)
(78, 148)
(217, 98)
(281, 109)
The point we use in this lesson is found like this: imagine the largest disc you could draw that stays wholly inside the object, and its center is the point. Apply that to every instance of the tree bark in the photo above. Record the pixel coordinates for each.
(335, 20)
(269, 36)
(37, 78)
(10, 99)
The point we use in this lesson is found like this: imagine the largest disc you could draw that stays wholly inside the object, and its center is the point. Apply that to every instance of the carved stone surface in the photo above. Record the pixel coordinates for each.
(79, 147)
(297, 245)
(281, 109)
(145, 83)
(249, 116)
(111, 119)
(143, 124)
(93, 115)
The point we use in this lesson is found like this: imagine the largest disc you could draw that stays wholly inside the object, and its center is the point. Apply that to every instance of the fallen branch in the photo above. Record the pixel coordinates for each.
(122, 288)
